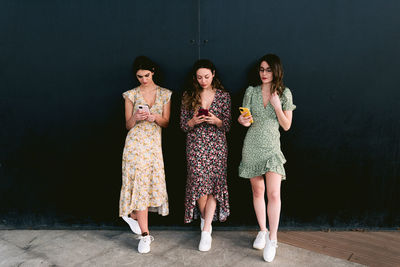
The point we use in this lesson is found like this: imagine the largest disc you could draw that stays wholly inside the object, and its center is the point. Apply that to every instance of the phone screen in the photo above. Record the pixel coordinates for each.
(202, 111)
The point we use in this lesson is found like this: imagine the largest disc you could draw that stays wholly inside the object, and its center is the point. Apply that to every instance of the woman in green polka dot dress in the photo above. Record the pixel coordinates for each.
(270, 104)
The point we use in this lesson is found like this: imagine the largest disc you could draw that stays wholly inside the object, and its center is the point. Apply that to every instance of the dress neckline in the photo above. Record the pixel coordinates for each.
(212, 102)
(262, 98)
(144, 100)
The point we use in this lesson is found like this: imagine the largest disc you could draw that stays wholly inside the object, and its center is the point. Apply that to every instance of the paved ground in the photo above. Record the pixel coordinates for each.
(170, 248)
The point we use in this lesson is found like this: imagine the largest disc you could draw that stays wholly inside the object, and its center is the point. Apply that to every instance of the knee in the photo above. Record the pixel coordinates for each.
(274, 195)
(210, 197)
(258, 192)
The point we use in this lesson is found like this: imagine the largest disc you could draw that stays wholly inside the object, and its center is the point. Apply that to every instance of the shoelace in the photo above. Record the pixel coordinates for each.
(260, 234)
(274, 243)
(145, 239)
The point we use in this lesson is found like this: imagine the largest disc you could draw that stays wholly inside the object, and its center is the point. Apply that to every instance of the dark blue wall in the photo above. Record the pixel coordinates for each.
(64, 66)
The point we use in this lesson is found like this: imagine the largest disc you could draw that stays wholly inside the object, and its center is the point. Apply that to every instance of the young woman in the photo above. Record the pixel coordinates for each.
(147, 109)
(270, 104)
(205, 117)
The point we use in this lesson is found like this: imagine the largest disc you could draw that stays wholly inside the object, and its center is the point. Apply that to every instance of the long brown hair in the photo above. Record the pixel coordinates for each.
(191, 98)
(275, 64)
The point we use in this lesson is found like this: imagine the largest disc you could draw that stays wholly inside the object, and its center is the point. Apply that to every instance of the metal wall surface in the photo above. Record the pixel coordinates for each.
(65, 66)
(341, 61)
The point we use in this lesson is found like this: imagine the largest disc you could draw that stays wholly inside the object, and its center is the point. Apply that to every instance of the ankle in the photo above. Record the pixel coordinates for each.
(145, 233)
(273, 237)
(207, 228)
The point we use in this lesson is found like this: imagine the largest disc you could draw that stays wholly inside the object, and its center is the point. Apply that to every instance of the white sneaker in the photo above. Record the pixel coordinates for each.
(144, 243)
(133, 224)
(205, 241)
(202, 225)
(259, 242)
(270, 250)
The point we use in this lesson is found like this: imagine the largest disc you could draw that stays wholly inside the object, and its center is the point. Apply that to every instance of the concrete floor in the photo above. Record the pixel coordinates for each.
(170, 248)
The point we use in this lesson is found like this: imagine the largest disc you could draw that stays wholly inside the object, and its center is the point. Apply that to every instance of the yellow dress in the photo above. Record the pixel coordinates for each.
(143, 176)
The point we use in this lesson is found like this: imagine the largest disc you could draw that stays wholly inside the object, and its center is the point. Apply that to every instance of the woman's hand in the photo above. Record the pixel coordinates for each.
(212, 119)
(245, 121)
(196, 120)
(151, 117)
(140, 115)
(275, 101)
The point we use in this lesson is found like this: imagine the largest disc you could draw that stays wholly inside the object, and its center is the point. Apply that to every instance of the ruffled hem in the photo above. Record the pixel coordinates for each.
(220, 213)
(192, 212)
(162, 209)
(272, 164)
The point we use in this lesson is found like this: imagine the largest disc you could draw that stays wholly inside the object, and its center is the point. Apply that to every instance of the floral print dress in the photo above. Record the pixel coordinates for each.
(262, 147)
(206, 155)
(143, 176)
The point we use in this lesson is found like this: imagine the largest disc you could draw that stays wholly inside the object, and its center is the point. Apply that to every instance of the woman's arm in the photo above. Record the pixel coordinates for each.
(245, 121)
(130, 117)
(226, 114)
(284, 117)
(184, 119)
(224, 122)
(187, 122)
(162, 119)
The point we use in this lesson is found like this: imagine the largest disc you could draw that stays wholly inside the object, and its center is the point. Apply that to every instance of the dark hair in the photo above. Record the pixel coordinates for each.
(191, 98)
(275, 64)
(145, 63)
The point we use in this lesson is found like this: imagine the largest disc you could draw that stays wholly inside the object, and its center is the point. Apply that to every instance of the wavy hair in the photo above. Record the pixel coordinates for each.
(275, 64)
(191, 97)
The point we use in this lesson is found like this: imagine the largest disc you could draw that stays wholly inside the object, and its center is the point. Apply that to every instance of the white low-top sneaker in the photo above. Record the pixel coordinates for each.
(144, 243)
(259, 242)
(202, 225)
(205, 241)
(270, 250)
(133, 224)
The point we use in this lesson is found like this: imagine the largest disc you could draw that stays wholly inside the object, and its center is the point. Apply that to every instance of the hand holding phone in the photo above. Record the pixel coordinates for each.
(202, 112)
(144, 108)
(246, 113)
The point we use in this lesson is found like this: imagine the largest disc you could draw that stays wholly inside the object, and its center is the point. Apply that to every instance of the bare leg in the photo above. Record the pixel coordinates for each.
(274, 202)
(133, 215)
(209, 212)
(142, 218)
(202, 205)
(258, 188)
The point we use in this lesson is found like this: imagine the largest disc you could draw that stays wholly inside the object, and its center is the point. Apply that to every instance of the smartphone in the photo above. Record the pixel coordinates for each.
(144, 108)
(202, 111)
(246, 110)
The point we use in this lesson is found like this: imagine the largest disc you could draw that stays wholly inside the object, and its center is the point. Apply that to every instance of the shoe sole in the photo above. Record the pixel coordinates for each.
(130, 226)
(258, 248)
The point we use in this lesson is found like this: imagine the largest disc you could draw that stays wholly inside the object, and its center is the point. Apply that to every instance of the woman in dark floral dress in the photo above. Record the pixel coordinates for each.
(205, 117)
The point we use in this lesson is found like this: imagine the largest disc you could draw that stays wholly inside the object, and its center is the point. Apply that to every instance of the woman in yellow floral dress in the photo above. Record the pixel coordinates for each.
(147, 109)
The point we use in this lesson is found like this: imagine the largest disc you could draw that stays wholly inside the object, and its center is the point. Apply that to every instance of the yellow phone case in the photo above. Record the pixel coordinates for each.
(246, 110)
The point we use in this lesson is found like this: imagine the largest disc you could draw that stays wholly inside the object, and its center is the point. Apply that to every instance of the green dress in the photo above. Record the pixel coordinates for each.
(262, 147)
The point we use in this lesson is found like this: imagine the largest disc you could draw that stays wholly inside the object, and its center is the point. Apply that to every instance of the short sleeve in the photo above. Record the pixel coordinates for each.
(287, 100)
(166, 96)
(130, 95)
(247, 97)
